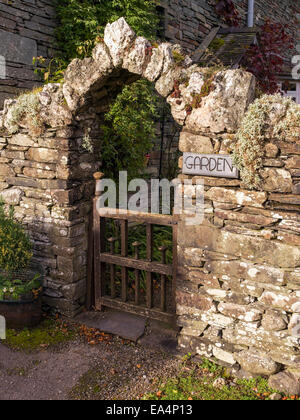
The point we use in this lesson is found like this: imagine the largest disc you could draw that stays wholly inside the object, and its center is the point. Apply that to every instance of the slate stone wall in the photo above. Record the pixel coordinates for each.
(189, 21)
(26, 31)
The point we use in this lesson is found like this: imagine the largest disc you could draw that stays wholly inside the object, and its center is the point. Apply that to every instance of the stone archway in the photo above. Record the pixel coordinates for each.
(47, 174)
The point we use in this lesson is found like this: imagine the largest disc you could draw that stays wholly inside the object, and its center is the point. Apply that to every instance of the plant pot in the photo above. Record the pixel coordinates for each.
(22, 314)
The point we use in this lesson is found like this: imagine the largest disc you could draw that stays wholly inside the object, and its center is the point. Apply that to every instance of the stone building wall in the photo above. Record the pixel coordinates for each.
(26, 31)
(189, 21)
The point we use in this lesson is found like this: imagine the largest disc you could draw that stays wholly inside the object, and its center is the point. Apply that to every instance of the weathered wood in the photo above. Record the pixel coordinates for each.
(153, 267)
(125, 262)
(97, 262)
(112, 242)
(205, 44)
(90, 272)
(149, 279)
(124, 253)
(136, 246)
(232, 30)
(168, 318)
(163, 281)
(133, 216)
(175, 261)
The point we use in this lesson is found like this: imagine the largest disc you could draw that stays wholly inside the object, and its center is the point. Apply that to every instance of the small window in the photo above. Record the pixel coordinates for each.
(291, 89)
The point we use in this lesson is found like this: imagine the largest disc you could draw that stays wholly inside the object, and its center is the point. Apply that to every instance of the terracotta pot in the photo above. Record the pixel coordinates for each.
(21, 314)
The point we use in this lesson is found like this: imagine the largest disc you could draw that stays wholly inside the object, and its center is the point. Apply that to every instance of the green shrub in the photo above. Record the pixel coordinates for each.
(129, 130)
(15, 256)
(15, 245)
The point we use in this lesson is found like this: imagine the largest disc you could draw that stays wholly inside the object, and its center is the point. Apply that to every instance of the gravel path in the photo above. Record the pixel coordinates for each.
(110, 370)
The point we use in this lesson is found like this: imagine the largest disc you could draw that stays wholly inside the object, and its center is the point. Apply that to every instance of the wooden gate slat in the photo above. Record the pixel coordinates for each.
(149, 297)
(99, 247)
(124, 254)
(153, 267)
(141, 310)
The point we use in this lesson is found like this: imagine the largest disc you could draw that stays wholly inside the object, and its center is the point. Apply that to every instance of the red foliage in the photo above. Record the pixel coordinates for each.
(177, 92)
(227, 10)
(266, 60)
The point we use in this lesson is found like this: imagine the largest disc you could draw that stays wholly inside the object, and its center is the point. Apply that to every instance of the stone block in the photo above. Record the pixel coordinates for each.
(243, 313)
(195, 144)
(257, 363)
(16, 48)
(240, 197)
(285, 382)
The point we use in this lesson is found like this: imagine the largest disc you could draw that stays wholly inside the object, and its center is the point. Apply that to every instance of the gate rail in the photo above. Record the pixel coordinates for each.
(102, 259)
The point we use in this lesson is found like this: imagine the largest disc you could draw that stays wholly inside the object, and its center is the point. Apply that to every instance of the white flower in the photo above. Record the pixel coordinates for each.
(5, 290)
(11, 290)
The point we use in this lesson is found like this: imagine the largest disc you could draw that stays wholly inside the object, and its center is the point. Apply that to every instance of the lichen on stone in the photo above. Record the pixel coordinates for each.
(269, 117)
(87, 143)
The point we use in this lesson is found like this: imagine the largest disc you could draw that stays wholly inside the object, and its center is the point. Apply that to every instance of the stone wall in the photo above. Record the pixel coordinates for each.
(46, 167)
(239, 271)
(238, 297)
(26, 31)
(188, 22)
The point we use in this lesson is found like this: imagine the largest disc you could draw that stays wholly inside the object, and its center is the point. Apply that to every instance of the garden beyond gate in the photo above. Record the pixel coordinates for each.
(154, 297)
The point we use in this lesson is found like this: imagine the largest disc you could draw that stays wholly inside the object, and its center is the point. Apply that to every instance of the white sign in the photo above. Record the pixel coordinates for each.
(209, 165)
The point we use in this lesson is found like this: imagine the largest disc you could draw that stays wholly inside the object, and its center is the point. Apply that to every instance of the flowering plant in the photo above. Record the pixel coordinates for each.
(16, 289)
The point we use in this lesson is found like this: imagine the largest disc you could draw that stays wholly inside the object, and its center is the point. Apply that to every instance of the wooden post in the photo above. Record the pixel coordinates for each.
(175, 263)
(136, 246)
(90, 298)
(149, 297)
(112, 242)
(99, 246)
(124, 253)
(163, 286)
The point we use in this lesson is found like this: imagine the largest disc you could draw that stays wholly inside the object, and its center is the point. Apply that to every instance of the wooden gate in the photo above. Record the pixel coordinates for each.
(156, 304)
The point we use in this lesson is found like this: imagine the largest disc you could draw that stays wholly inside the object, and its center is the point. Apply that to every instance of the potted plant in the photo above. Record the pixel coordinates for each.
(20, 287)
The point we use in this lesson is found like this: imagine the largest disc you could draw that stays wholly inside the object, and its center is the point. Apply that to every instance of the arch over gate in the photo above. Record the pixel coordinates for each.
(45, 170)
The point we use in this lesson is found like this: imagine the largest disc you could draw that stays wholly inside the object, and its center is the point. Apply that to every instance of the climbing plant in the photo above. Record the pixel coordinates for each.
(82, 22)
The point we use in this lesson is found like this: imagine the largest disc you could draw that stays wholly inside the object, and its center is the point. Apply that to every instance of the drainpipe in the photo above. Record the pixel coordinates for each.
(251, 13)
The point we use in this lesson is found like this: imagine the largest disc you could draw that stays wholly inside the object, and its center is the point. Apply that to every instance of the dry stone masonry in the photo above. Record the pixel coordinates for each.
(238, 294)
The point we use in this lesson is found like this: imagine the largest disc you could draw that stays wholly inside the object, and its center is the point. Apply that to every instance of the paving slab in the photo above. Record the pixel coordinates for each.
(161, 337)
(128, 326)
